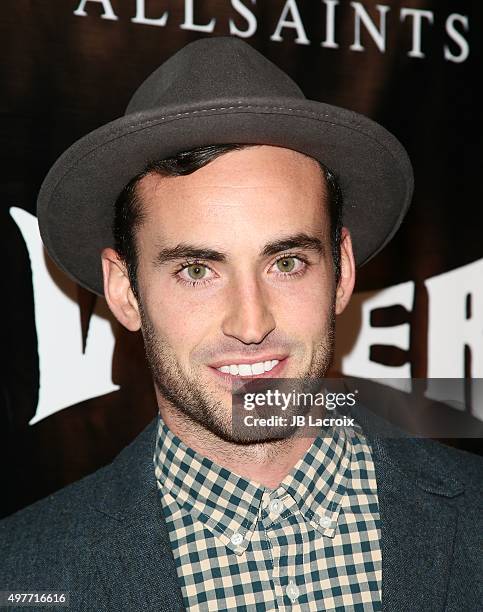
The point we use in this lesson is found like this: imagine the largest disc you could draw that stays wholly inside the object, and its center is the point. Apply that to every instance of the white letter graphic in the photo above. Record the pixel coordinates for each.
(357, 362)
(107, 14)
(329, 41)
(458, 38)
(67, 376)
(189, 23)
(378, 36)
(141, 16)
(250, 19)
(295, 23)
(455, 321)
(417, 16)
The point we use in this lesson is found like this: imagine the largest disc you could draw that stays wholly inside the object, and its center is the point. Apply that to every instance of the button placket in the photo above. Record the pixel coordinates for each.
(324, 521)
(292, 591)
(276, 507)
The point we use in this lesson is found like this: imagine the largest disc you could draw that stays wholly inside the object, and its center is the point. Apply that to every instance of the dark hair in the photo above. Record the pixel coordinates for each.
(128, 213)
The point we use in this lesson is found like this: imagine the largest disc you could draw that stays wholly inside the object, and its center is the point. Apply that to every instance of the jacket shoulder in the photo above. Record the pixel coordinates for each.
(437, 467)
(38, 541)
(50, 543)
(465, 466)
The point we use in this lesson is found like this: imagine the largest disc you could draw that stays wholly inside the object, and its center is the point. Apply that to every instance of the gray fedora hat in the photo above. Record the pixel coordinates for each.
(219, 91)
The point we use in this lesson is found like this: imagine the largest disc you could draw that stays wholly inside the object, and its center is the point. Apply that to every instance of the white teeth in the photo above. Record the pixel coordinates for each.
(249, 369)
(258, 368)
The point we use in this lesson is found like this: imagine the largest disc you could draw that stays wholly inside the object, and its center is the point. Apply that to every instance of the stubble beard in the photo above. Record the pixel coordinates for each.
(196, 403)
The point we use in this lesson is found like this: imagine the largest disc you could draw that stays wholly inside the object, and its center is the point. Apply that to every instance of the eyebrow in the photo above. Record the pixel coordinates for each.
(296, 241)
(188, 251)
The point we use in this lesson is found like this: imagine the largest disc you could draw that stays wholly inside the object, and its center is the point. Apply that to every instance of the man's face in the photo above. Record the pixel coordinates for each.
(235, 277)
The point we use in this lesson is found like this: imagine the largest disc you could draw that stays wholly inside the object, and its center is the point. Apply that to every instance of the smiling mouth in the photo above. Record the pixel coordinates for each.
(259, 369)
(249, 369)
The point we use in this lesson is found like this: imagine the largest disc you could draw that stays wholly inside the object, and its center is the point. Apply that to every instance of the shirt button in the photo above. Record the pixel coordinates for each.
(324, 521)
(276, 506)
(292, 591)
(236, 539)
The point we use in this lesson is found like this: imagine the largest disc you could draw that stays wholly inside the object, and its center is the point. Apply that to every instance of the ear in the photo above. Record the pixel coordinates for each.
(117, 290)
(347, 278)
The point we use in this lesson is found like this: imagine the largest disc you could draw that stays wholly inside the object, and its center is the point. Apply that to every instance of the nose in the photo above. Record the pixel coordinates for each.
(249, 317)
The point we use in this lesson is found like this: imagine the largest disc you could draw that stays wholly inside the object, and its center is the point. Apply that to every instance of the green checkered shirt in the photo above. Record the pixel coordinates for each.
(311, 544)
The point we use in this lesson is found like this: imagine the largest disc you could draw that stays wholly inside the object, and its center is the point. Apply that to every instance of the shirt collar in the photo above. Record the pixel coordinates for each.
(230, 505)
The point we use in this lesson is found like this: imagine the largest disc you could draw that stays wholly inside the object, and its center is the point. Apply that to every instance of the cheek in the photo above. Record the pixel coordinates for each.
(305, 313)
(303, 307)
(184, 318)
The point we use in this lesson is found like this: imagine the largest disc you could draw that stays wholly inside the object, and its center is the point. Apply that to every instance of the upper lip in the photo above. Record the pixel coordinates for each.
(250, 360)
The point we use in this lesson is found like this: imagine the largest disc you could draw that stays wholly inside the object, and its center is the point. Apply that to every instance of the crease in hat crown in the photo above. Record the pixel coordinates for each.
(217, 91)
(210, 69)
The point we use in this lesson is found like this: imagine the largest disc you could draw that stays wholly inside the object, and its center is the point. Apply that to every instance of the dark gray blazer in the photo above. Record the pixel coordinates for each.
(104, 539)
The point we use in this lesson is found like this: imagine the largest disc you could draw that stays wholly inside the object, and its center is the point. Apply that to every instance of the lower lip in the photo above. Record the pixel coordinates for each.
(273, 373)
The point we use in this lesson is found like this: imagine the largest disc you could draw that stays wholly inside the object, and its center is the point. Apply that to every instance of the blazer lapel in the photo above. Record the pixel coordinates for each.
(133, 553)
(418, 529)
(419, 508)
(138, 568)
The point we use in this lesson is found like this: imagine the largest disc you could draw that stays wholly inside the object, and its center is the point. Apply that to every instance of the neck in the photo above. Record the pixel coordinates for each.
(266, 463)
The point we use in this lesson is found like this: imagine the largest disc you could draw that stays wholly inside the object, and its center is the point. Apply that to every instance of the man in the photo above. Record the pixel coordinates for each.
(214, 207)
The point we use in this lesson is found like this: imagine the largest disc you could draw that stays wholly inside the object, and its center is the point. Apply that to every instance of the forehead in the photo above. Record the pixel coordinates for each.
(255, 191)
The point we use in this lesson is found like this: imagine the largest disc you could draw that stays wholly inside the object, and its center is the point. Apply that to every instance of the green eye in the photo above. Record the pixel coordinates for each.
(196, 271)
(286, 264)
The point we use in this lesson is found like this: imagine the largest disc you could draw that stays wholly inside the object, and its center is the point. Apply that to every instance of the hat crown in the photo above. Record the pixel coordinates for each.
(213, 69)
(218, 91)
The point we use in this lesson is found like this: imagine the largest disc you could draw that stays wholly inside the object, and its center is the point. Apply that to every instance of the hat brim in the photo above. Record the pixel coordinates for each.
(76, 201)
